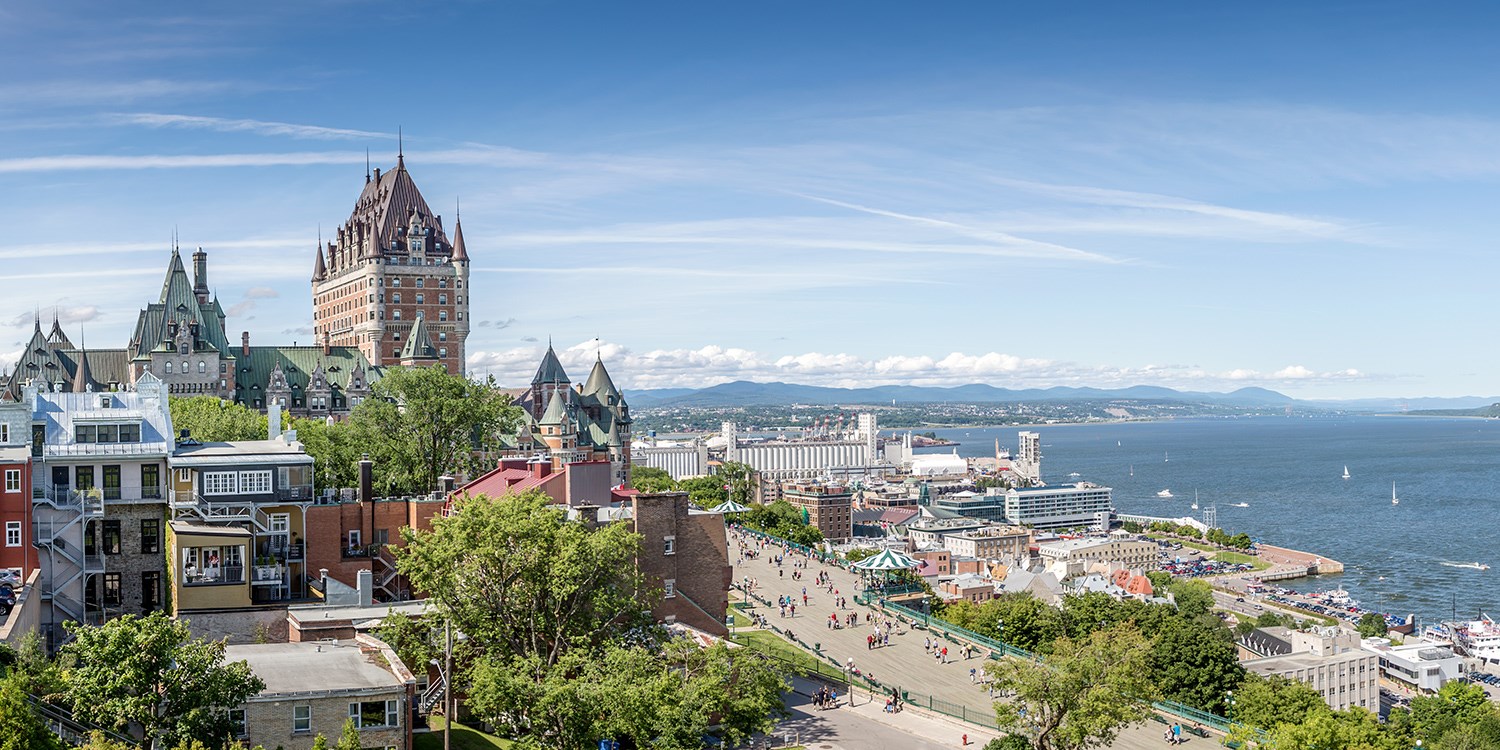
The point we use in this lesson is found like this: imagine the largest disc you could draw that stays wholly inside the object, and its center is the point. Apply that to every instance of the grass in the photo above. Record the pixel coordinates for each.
(464, 738)
(739, 618)
(763, 640)
(1222, 555)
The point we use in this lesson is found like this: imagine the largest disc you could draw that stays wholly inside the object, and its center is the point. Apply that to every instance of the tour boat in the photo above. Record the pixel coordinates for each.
(1164, 494)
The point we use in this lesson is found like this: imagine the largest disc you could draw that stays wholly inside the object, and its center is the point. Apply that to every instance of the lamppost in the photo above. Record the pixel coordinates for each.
(1229, 710)
(445, 669)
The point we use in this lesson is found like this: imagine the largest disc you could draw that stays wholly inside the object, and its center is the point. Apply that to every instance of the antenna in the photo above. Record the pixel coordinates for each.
(400, 144)
(367, 163)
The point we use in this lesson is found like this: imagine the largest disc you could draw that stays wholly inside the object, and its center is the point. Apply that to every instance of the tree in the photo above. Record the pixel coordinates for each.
(20, 727)
(412, 639)
(651, 479)
(1196, 664)
(584, 662)
(1082, 695)
(151, 671)
(421, 422)
(1194, 597)
(335, 449)
(320, 742)
(740, 481)
(705, 492)
(349, 737)
(1371, 625)
(1269, 702)
(1353, 729)
(212, 419)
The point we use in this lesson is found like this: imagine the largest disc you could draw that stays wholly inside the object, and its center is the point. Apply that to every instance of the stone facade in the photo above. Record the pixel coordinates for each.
(134, 560)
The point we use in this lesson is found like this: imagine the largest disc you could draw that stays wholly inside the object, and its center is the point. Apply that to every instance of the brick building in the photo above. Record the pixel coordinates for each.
(829, 507)
(16, 551)
(346, 535)
(390, 265)
(684, 554)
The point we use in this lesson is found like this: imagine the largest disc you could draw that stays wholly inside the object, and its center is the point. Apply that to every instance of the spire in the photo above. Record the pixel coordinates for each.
(82, 382)
(400, 149)
(459, 251)
(557, 410)
(551, 370)
(367, 165)
(599, 383)
(36, 320)
(320, 271)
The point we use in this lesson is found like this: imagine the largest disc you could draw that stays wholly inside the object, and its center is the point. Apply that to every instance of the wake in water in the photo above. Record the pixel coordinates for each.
(1471, 565)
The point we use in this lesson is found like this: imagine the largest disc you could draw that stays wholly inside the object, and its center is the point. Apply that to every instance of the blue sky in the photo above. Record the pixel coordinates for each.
(1291, 195)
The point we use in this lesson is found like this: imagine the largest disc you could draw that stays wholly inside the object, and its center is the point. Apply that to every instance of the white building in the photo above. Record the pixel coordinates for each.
(1330, 661)
(681, 461)
(1061, 556)
(1424, 666)
(1083, 504)
(100, 500)
(939, 465)
(854, 455)
(1028, 463)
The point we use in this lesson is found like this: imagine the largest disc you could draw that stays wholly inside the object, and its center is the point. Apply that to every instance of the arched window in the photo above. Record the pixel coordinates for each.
(184, 367)
(442, 314)
(169, 367)
(442, 299)
(395, 314)
(202, 367)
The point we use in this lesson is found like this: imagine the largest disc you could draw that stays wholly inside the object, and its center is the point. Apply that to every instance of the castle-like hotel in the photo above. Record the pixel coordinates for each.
(391, 289)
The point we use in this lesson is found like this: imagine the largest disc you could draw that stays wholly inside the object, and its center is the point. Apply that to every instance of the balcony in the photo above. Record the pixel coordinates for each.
(214, 575)
(268, 575)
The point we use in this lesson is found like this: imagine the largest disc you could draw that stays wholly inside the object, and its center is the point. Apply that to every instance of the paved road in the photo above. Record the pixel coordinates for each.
(904, 662)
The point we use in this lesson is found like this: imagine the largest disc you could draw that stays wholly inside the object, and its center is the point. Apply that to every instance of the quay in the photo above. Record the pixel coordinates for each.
(1285, 561)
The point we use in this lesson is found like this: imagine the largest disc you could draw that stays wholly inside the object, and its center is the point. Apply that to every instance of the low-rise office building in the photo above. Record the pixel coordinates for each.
(1078, 505)
(1425, 667)
(1066, 555)
(1008, 544)
(1331, 662)
(312, 688)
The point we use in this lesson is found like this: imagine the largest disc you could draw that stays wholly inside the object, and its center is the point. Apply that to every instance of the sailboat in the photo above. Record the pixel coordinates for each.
(1165, 458)
(1195, 499)
(1394, 499)
(1132, 470)
(1346, 472)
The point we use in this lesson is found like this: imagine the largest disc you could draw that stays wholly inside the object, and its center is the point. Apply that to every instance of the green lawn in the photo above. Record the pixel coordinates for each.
(739, 617)
(764, 640)
(1237, 557)
(464, 738)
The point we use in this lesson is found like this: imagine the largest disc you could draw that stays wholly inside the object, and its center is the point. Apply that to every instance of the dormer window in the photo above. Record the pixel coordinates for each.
(104, 402)
(182, 348)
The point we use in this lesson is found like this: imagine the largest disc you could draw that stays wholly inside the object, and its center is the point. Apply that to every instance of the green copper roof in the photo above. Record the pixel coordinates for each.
(557, 410)
(599, 383)
(418, 343)
(298, 365)
(551, 370)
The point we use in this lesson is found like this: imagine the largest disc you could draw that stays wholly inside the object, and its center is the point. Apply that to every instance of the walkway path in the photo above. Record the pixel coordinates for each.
(903, 663)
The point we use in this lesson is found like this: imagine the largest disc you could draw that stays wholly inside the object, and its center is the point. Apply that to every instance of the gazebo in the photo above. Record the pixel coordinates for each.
(729, 506)
(885, 560)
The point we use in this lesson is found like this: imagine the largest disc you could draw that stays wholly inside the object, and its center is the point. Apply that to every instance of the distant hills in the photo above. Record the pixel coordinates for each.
(747, 393)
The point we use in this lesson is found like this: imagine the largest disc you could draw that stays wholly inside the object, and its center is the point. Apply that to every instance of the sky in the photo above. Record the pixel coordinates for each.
(1208, 196)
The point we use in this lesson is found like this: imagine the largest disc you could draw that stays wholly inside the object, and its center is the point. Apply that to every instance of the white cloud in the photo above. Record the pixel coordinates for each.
(258, 127)
(713, 364)
(261, 292)
(64, 314)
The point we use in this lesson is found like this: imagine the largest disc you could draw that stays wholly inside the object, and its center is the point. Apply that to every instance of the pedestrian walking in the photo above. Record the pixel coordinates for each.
(945, 654)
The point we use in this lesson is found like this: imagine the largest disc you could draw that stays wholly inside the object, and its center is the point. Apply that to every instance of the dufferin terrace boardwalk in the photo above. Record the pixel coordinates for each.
(904, 662)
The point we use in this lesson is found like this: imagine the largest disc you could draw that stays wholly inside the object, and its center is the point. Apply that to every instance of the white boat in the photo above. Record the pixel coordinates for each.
(1394, 500)
(1480, 639)
(1164, 457)
(1195, 500)
(1346, 472)
(1164, 494)
(1470, 565)
(1239, 505)
(1075, 475)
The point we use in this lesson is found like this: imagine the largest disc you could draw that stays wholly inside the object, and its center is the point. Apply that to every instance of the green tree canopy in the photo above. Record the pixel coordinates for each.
(584, 662)
(348, 737)
(211, 419)
(705, 492)
(1371, 625)
(335, 449)
(1082, 695)
(1269, 702)
(1196, 664)
(651, 479)
(420, 423)
(20, 727)
(151, 671)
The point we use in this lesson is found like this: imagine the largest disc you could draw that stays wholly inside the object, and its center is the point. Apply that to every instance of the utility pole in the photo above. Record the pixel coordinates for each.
(448, 685)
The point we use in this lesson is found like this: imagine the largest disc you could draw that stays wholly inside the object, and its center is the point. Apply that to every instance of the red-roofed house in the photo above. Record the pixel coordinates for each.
(579, 483)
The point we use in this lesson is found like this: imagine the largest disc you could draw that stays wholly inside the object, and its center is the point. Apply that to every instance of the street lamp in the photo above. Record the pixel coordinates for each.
(445, 669)
(1229, 710)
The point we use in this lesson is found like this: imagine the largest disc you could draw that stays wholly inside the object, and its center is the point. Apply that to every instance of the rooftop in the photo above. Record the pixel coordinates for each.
(321, 667)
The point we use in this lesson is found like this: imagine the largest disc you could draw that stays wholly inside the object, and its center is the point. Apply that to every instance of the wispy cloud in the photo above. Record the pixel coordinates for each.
(65, 314)
(80, 93)
(711, 364)
(257, 127)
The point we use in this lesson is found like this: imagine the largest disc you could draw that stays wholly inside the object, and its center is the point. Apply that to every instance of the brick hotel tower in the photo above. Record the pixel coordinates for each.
(392, 283)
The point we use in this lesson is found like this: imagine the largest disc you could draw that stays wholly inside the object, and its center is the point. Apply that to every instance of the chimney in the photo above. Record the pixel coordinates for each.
(273, 421)
(200, 276)
(245, 343)
(541, 468)
(327, 345)
(366, 479)
(366, 585)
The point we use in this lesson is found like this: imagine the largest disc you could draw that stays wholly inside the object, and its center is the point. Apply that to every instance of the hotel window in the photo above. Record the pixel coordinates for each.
(669, 588)
(420, 299)
(255, 482)
(442, 315)
(150, 536)
(396, 298)
(12, 480)
(218, 483)
(395, 315)
(442, 283)
(669, 545)
(442, 336)
(111, 589)
(372, 714)
(443, 352)
(184, 365)
(395, 282)
(213, 565)
(202, 367)
(12, 533)
(301, 719)
(419, 283)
